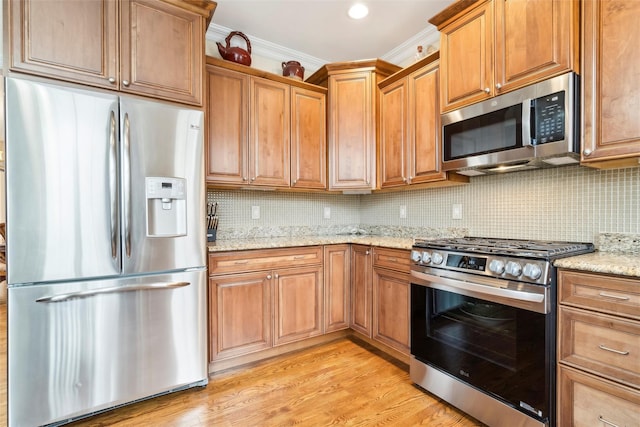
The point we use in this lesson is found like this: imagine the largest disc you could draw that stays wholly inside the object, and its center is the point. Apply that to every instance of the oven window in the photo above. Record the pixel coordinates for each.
(502, 350)
(496, 131)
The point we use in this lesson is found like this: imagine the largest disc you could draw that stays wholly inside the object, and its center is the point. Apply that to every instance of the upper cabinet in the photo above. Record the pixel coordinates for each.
(352, 130)
(122, 45)
(489, 47)
(263, 130)
(610, 76)
(409, 128)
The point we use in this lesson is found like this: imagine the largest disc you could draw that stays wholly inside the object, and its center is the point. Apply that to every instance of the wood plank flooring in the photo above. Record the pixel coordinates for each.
(340, 383)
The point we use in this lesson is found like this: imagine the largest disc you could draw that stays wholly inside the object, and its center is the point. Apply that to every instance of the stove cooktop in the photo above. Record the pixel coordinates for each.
(508, 247)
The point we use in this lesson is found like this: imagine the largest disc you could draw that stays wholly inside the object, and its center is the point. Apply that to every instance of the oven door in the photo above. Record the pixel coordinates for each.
(487, 340)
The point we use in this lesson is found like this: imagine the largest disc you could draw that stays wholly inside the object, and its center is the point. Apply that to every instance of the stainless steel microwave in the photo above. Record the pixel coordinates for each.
(528, 128)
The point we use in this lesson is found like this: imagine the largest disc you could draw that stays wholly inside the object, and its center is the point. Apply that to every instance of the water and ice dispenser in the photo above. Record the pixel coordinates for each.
(166, 206)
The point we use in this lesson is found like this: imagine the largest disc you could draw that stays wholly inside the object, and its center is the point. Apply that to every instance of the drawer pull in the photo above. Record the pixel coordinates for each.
(299, 257)
(613, 350)
(393, 259)
(602, 294)
(609, 423)
(242, 262)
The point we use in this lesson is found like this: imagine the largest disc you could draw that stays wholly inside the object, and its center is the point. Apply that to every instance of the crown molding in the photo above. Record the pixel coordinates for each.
(402, 54)
(267, 49)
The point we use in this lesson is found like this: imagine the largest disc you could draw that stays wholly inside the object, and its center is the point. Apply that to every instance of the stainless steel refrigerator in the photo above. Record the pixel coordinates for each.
(106, 250)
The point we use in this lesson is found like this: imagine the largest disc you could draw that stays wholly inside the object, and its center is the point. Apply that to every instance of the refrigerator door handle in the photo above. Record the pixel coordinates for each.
(112, 290)
(113, 184)
(127, 185)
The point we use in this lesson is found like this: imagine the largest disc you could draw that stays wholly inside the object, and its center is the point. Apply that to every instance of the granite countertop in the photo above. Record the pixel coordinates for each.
(287, 242)
(622, 264)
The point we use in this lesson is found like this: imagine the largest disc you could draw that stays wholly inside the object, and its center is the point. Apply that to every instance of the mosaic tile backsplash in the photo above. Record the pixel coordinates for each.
(570, 203)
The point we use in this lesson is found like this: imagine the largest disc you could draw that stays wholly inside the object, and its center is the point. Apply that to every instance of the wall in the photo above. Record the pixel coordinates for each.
(569, 203)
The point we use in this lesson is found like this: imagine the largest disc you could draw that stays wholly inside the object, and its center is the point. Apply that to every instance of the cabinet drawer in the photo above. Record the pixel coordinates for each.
(394, 259)
(604, 345)
(587, 401)
(263, 259)
(608, 294)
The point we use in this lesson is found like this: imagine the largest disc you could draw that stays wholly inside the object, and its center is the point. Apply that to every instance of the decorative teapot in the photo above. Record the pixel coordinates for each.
(235, 53)
(293, 69)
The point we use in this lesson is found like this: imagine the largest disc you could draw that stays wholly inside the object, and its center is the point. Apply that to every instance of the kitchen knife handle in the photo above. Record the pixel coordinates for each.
(113, 184)
(126, 164)
(111, 290)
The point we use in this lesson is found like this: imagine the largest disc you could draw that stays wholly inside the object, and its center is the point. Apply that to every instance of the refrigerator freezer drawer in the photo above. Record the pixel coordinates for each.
(77, 348)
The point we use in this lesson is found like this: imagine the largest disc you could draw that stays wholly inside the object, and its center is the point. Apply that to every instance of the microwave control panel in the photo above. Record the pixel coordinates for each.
(549, 118)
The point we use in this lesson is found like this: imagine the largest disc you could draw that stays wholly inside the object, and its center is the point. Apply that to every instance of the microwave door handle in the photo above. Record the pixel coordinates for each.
(528, 123)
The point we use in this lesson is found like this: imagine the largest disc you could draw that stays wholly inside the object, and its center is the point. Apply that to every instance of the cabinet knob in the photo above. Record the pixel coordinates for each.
(487, 90)
(277, 275)
(125, 83)
(366, 253)
(498, 86)
(586, 152)
(253, 178)
(295, 181)
(244, 178)
(269, 276)
(112, 80)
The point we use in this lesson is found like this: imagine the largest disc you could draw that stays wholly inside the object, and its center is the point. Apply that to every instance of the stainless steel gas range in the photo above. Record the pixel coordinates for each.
(483, 325)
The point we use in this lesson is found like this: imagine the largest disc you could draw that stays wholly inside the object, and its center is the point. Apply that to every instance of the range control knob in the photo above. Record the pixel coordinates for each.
(513, 269)
(532, 271)
(426, 257)
(436, 258)
(416, 256)
(496, 266)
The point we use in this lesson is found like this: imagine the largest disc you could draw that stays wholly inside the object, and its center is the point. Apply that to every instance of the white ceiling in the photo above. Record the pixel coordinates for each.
(321, 28)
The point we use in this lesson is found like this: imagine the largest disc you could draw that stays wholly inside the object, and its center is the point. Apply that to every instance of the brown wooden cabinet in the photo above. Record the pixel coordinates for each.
(611, 95)
(259, 299)
(410, 151)
(120, 45)
(391, 309)
(337, 289)
(263, 130)
(352, 120)
(489, 47)
(598, 349)
(361, 283)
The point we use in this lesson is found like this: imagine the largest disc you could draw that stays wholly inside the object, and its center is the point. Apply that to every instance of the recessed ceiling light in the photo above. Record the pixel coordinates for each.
(358, 11)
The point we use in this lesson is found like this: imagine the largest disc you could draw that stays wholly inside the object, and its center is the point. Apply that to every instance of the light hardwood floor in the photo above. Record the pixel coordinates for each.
(339, 383)
(344, 382)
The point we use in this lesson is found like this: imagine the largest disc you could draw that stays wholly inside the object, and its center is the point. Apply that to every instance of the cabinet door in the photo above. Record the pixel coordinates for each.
(391, 308)
(424, 117)
(466, 57)
(394, 138)
(610, 75)
(297, 304)
(239, 314)
(72, 40)
(308, 139)
(534, 40)
(351, 131)
(151, 30)
(337, 277)
(586, 401)
(361, 277)
(269, 133)
(227, 121)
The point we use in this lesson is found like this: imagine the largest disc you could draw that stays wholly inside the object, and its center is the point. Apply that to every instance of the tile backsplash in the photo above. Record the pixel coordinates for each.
(571, 203)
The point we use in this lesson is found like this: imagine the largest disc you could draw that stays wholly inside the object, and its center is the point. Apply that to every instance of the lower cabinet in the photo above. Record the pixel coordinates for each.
(598, 349)
(337, 287)
(391, 307)
(380, 295)
(264, 298)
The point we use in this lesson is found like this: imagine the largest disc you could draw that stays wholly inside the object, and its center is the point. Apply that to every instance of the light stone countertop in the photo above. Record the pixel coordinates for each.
(287, 242)
(622, 264)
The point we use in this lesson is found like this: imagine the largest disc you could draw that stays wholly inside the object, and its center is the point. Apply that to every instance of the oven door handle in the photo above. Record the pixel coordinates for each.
(531, 301)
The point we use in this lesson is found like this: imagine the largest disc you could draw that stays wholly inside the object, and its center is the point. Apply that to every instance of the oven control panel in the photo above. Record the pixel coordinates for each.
(504, 267)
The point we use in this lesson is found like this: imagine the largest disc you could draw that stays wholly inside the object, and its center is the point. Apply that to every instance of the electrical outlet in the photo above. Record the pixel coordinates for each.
(326, 212)
(255, 212)
(456, 211)
(403, 211)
